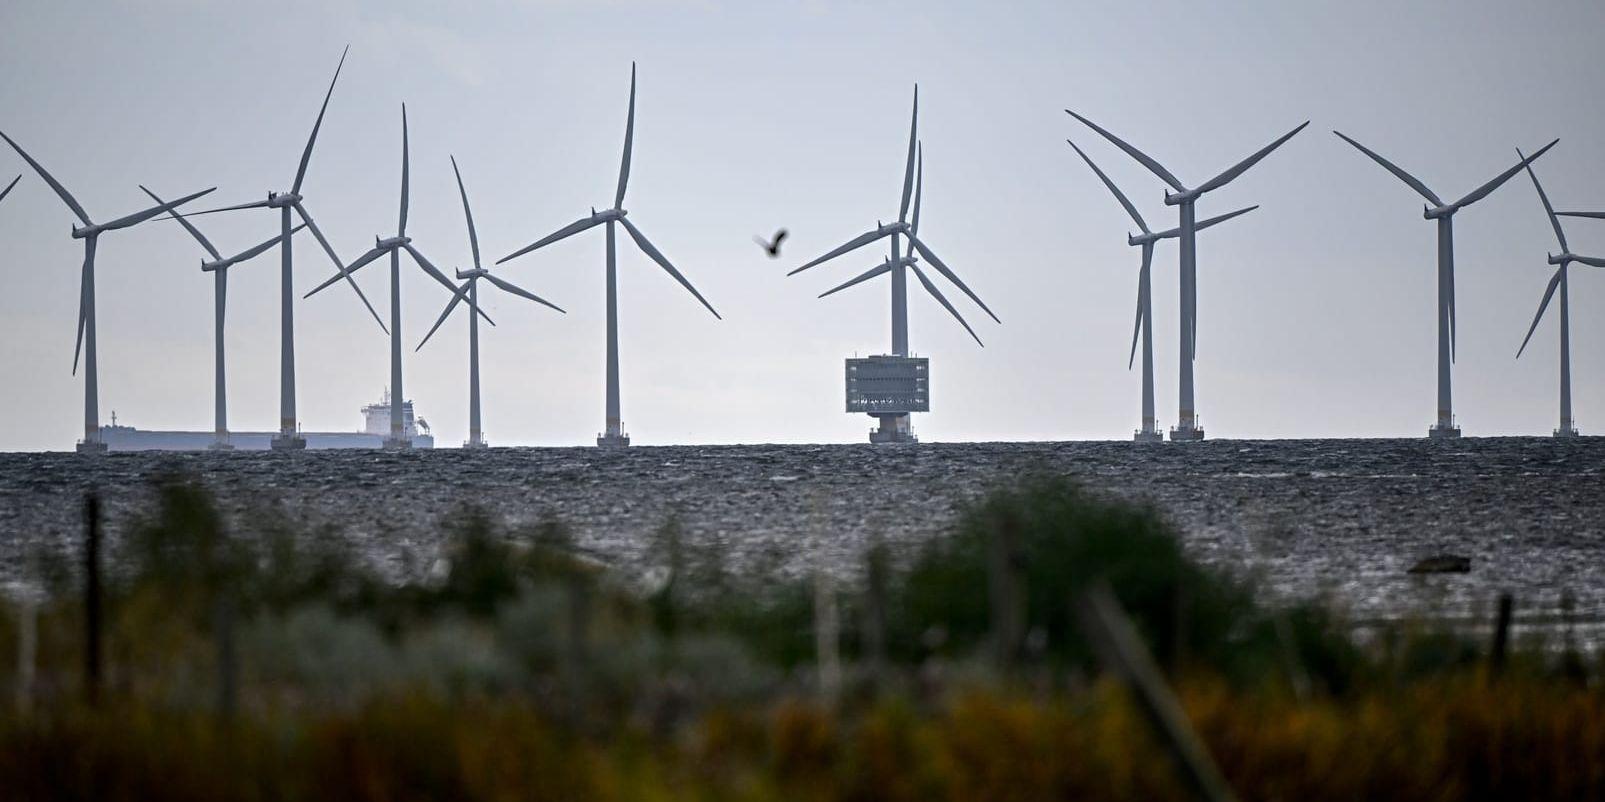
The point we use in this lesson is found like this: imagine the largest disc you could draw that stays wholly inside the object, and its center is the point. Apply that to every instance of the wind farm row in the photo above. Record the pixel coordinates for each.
(890, 387)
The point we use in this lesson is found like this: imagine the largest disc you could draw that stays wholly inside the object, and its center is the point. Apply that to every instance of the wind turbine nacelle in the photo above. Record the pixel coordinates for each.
(1435, 212)
(216, 264)
(391, 243)
(475, 273)
(1179, 198)
(279, 200)
(1559, 259)
(1133, 239)
(81, 232)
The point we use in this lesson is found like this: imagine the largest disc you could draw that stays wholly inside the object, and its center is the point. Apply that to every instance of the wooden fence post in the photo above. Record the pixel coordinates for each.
(1120, 650)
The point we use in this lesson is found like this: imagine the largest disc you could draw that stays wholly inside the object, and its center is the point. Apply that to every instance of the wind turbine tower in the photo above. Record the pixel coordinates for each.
(891, 387)
(613, 434)
(470, 286)
(1444, 213)
(90, 233)
(1187, 426)
(1149, 433)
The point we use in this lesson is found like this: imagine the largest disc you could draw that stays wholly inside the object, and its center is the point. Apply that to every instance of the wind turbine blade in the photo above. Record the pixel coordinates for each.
(258, 250)
(194, 232)
(1591, 215)
(1591, 261)
(1453, 338)
(312, 225)
(401, 227)
(429, 267)
(456, 298)
(1142, 297)
(1482, 192)
(852, 244)
(83, 299)
(1415, 183)
(519, 291)
(1120, 196)
(1238, 169)
(1142, 158)
(657, 256)
(883, 267)
(629, 143)
(919, 182)
(473, 236)
(434, 272)
(937, 294)
(66, 197)
(908, 172)
(306, 155)
(1549, 211)
(943, 269)
(7, 190)
(566, 231)
(252, 205)
(1549, 292)
(140, 217)
(346, 271)
(1221, 218)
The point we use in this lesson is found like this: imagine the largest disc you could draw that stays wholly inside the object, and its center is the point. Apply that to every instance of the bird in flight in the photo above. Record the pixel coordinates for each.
(771, 247)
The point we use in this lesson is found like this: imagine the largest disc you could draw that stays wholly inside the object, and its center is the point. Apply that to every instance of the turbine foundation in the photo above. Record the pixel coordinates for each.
(220, 446)
(1187, 431)
(91, 447)
(1567, 431)
(893, 429)
(1148, 436)
(1443, 431)
(612, 440)
(397, 443)
(288, 442)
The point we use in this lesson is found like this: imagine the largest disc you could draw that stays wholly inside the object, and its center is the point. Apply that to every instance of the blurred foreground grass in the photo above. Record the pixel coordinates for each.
(267, 664)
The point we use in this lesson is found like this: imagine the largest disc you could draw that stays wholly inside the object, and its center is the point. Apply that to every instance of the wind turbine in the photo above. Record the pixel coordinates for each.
(393, 246)
(1444, 214)
(1568, 426)
(90, 233)
(218, 267)
(289, 435)
(910, 261)
(476, 436)
(1149, 433)
(1187, 427)
(895, 427)
(614, 434)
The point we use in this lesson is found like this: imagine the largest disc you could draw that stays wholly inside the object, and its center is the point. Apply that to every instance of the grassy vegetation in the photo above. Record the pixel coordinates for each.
(267, 664)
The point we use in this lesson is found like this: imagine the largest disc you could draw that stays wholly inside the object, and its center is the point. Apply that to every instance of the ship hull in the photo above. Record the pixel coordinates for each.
(128, 438)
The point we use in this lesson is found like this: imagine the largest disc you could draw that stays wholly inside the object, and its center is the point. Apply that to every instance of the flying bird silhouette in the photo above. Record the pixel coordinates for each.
(771, 247)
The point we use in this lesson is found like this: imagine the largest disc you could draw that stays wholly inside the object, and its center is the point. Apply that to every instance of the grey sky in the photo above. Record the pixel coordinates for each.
(1316, 311)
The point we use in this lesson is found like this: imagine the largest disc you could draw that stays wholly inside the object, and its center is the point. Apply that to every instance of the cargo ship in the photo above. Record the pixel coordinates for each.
(375, 428)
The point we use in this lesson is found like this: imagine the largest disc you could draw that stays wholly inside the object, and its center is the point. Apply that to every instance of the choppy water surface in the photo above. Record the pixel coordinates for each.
(1344, 518)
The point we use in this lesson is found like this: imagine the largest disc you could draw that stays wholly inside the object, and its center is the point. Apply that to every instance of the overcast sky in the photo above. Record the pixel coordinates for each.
(1316, 312)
